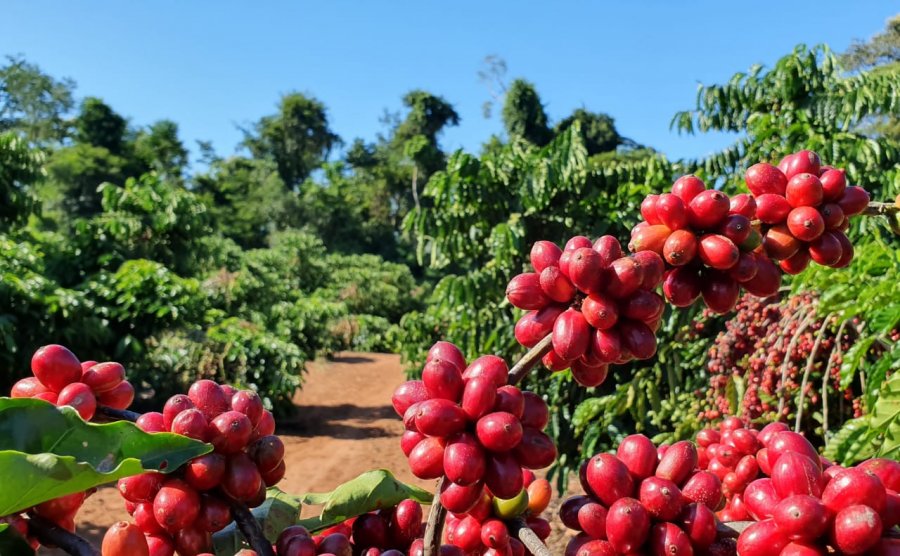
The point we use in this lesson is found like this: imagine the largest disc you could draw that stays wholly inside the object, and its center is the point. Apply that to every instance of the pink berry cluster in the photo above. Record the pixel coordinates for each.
(390, 532)
(667, 499)
(179, 511)
(709, 245)
(467, 424)
(765, 335)
(644, 500)
(804, 208)
(61, 379)
(802, 503)
(600, 306)
(483, 529)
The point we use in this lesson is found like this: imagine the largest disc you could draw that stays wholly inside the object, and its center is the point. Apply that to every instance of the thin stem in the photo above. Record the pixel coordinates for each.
(532, 542)
(434, 527)
(249, 527)
(51, 534)
(118, 414)
(810, 361)
(787, 360)
(827, 375)
(530, 359)
(880, 209)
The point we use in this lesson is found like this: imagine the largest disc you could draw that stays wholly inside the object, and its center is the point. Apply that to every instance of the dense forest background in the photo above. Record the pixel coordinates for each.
(243, 266)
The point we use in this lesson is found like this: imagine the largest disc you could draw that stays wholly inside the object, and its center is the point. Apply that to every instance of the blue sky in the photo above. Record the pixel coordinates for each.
(213, 65)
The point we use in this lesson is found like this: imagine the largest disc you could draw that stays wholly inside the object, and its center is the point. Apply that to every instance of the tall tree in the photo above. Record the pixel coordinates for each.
(33, 103)
(523, 114)
(598, 130)
(20, 166)
(882, 49)
(99, 125)
(161, 150)
(246, 198)
(881, 52)
(297, 138)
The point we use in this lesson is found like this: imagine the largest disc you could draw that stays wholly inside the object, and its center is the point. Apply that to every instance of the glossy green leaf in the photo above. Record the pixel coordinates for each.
(853, 358)
(280, 510)
(12, 543)
(852, 443)
(887, 408)
(373, 490)
(50, 452)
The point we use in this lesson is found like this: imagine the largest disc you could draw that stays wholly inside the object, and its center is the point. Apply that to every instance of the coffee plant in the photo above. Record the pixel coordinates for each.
(738, 490)
(211, 299)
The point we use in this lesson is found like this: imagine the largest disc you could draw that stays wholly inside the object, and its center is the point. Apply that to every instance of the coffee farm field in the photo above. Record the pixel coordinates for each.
(566, 343)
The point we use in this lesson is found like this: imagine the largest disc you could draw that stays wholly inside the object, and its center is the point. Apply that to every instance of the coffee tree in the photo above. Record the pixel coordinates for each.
(209, 456)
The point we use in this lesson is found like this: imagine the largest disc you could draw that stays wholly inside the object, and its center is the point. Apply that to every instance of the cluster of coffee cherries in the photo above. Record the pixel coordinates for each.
(644, 500)
(179, 511)
(61, 379)
(804, 208)
(467, 424)
(483, 528)
(389, 532)
(599, 305)
(709, 245)
(802, 503)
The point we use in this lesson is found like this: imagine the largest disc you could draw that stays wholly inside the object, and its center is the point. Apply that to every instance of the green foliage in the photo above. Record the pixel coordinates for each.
(75, 175)
(599, 130)
(246, 198)
(523, 114)
(351, 212)
(20, 166)
(806, 101)
(883, 48)
(279, 511)
(99, 125)
(373, 490)
(147, 218)
(142, 297)
(297, 138)
(161, 150)
(35, 307)
(33, 103)
(366, 284)
(232, 351)
(864, 297)
(53, 451)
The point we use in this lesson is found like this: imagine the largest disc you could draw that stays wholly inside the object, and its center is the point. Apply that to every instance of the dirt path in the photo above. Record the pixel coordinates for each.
(344, 425)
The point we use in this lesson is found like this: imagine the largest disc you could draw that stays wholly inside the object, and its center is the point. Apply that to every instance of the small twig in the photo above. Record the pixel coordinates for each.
(530, 359)
(523, 532)
(434, 527)
(51, 534)
(787, 359)
(249, 527)
(827, 375)
(732, 529)
(881, 209)
(118, 414)
(810, 361)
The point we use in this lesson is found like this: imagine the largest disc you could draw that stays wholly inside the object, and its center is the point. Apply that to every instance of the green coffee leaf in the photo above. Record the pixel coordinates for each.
(49, 451)
(373, 490)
